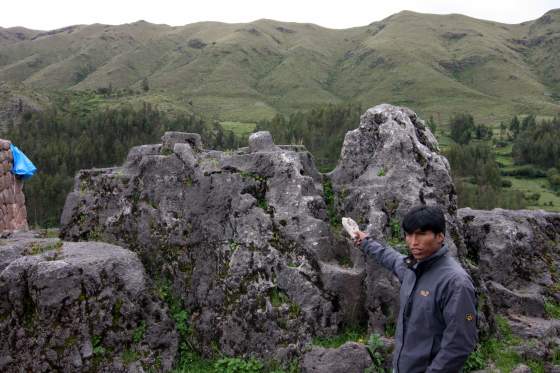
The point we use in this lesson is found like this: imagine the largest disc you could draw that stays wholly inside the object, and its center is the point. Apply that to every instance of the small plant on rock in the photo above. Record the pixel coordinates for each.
(374, 347)
(237, 365)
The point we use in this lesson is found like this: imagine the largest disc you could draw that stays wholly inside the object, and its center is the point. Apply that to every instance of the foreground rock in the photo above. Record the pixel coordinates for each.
(82, 306)
(349, 358)
(516, 254)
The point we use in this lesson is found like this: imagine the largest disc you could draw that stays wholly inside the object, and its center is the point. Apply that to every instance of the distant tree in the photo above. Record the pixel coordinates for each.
(145, 85)
(462, 127)
(553, 177)
(321, 130)
(482, 132)
(539, 144)
(502, 130)
(528, 122)
(514, 126)
(477, 178)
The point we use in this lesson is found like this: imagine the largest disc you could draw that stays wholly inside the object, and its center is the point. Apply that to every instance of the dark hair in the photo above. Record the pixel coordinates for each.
(424, 218)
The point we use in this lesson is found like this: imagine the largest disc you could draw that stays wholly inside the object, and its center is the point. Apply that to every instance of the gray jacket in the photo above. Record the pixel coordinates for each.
(436, 327)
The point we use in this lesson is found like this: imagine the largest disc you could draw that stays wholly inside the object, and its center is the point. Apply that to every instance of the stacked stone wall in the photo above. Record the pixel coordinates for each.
(13, 215)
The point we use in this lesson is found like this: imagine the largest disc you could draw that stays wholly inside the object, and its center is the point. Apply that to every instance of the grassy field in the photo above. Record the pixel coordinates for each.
(538, 185)
(240, 129)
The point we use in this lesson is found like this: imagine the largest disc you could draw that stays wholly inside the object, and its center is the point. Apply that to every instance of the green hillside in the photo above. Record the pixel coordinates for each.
(435, 64)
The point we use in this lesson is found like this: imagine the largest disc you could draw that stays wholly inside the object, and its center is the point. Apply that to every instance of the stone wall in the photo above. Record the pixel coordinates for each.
(13, 215)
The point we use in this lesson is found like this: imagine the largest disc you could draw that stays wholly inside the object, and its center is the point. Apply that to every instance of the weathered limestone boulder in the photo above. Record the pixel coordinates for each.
(389, 164)
(349, 358)
(516, 255)
(240, 235)
(84, 306)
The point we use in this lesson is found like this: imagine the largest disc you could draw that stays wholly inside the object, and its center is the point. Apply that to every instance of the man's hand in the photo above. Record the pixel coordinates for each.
(358, 238)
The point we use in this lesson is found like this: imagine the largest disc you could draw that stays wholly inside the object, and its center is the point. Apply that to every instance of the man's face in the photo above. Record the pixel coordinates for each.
(422, 244)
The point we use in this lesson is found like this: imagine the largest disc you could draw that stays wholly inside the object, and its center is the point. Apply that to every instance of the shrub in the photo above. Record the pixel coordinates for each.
(237, 365)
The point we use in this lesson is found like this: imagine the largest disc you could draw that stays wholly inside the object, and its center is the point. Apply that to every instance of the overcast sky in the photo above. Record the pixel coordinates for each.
(51, 14)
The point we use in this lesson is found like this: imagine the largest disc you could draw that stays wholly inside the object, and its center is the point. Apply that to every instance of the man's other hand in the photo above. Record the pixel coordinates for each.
(358, 237)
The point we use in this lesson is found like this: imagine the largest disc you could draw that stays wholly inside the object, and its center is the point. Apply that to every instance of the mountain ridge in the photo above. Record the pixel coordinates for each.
(438, 64)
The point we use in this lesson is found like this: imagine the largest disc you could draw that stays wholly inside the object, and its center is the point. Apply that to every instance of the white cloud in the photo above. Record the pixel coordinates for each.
(44, 15)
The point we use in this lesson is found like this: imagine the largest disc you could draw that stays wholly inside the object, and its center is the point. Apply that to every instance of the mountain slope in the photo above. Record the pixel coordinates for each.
(436, 64)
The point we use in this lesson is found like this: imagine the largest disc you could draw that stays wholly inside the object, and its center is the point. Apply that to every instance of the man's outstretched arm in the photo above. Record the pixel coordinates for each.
(385, 256)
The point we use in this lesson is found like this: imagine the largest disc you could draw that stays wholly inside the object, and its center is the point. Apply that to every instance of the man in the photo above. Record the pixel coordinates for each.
(436, 327)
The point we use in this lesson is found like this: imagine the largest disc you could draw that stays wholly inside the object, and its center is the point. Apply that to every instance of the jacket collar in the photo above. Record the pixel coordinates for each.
(421, 266)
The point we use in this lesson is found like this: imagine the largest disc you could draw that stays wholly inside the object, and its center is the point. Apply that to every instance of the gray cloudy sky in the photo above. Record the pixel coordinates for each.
(51, 14)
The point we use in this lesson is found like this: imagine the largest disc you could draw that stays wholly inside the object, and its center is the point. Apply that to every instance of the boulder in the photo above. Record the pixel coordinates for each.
(387, 165)
(517, 254)
(83, 306)
(351, 357)
(241, 235)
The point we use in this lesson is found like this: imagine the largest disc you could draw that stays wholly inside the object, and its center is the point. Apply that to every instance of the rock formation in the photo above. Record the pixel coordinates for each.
(84, 306)
(13, 215)
(250, 242)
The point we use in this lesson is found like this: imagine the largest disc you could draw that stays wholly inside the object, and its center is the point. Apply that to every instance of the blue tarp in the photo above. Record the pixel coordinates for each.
(22, 167)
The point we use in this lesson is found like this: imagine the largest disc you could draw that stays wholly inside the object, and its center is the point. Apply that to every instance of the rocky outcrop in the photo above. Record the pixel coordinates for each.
(389, 164)
(13, 215)
(241, 236)
(84, 306)
(516, 254)
(250, 240)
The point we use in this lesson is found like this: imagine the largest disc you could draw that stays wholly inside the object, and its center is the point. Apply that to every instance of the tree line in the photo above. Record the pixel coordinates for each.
(538, 144)
(60, 143)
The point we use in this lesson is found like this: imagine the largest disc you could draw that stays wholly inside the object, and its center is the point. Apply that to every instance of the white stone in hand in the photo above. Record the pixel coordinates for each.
(350, 226)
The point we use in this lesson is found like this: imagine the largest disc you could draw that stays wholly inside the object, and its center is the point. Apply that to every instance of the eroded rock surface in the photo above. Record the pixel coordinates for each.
(516, 254)
(250, 239)
(389, 164)
(84, 306)
(349, 358)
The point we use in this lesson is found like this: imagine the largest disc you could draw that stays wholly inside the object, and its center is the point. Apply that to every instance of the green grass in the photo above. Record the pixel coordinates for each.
(240, 129)
(552, 309)
(503, 155)
(538, 185)
(499, 351)
(352, 333)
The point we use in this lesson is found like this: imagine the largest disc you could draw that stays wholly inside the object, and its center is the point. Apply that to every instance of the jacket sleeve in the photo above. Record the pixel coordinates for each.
(460, 334)
(386, 256)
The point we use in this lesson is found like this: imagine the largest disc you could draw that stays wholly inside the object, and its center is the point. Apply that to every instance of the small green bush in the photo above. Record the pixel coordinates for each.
(138, 334)
(237, 365)
(374, 345)
(552, 309)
